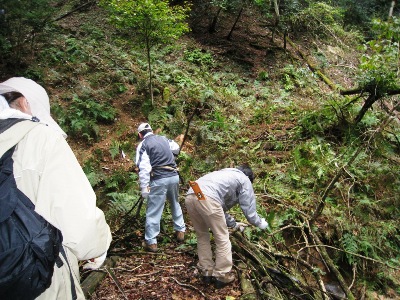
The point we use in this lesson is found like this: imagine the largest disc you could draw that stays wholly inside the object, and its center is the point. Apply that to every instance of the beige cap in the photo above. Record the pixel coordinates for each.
(37, 97)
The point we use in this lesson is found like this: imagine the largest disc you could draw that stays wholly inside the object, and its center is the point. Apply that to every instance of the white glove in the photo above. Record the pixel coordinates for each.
(240, 226)
(145, 192)
(95, 263)
(263, 224)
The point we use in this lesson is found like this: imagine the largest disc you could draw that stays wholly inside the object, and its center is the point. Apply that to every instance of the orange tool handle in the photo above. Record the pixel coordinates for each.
(197, 190)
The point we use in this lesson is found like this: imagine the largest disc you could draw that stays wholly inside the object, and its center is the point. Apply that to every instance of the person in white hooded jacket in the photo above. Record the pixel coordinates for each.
(47, 171)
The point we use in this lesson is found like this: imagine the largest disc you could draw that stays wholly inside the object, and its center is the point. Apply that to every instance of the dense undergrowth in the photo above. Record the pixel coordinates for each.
(292, 129)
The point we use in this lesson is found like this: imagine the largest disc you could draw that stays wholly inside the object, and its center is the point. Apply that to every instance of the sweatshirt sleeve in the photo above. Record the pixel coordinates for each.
(247, 202)
(66, 194)
(143, 163)
(230, 221)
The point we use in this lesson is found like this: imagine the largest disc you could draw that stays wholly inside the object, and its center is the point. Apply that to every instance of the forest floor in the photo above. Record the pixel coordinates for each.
(171, 273)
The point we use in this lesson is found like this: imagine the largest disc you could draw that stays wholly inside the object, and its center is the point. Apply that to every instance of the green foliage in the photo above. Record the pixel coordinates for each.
(93, 172)
(315, 156)
(358, 14)
(350, 245)
(122, 181)
(292, 140)
(263, 75)
(81, 117)
(115, 148)
(261, 116)
(159, 117)
(321, 121)
(379, 66)
(119, 204)
(23, 19)
(378, 242)
(184, 162)
(294, 77)
(199, 57)
(320, 19)
(153, 21)
(218, 123)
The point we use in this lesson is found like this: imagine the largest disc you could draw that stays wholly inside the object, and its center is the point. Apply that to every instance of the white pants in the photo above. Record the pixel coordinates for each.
(208, 214)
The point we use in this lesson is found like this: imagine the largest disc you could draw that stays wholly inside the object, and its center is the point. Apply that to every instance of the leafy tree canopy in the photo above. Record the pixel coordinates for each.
(380, 63)
(153, 20)
(20, 20)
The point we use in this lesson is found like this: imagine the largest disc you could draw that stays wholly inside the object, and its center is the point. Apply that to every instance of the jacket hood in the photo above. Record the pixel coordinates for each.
(37, 97)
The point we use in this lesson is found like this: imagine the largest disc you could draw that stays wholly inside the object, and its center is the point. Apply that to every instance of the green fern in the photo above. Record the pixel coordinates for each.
(115, 149)
(350, 245)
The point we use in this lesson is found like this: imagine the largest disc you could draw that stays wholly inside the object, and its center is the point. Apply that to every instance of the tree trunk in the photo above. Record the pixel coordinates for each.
(277, 19)
(372, 98)
(393, 4)
(150, 70)
(213, 25)
(285, 39)
(234, 24)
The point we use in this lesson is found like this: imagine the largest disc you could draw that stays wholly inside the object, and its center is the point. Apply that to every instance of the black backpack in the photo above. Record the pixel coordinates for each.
(29, 245)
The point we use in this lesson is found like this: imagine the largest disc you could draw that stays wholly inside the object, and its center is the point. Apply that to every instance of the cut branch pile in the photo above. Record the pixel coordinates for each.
(271, 272)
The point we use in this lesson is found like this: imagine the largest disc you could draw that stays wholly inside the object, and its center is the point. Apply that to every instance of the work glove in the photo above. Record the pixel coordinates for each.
(240, 226)
(95, 263)
(145, 192)
(264, 224)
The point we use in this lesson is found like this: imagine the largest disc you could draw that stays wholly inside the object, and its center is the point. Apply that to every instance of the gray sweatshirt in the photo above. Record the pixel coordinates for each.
(229, 187)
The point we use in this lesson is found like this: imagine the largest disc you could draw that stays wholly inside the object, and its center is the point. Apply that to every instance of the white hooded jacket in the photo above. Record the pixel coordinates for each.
(47, 171)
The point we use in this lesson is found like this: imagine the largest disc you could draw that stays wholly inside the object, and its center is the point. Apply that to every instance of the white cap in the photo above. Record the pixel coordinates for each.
(37, 97)
(143, 126)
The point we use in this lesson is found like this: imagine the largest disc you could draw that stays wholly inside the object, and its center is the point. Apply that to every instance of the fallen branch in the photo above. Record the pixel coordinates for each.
(116, 281)
(352, 253)
(174, 266)
(333, 268)
(191, 287)
(75, 10)
(129, 253)
(127, 270)
(313, 67)
(265, 264)
(148, 274)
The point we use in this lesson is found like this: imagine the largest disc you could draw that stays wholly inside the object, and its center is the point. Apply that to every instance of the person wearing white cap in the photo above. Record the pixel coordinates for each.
(47, 171)
(159, 180)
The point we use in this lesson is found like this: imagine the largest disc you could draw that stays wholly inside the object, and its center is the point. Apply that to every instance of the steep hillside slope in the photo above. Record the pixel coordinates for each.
(246, 99)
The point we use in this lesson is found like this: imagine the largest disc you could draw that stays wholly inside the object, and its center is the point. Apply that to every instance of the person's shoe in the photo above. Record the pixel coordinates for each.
(207, 277)
(150, 248)
(180, 236)
(222, 281)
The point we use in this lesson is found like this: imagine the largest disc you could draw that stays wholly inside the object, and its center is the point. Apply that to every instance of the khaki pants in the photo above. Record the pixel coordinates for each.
(208, 214)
